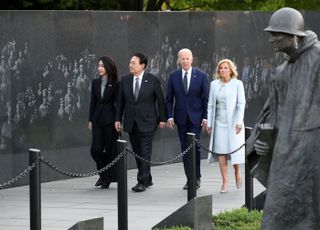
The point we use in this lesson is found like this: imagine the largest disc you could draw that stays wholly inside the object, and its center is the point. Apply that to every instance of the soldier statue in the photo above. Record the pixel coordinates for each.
(284, 148)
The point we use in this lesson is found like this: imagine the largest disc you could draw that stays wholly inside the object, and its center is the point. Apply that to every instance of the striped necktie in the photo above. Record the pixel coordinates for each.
(136, 89)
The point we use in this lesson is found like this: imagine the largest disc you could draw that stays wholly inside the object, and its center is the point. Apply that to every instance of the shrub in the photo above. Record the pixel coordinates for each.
(238, 219)
(176, 228)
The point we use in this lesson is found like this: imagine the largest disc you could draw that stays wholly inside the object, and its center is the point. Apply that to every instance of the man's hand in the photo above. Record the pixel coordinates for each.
(90, 125)
(161, 124)
(170, 123)
(262, 148)
(117, 126)
(204, 124)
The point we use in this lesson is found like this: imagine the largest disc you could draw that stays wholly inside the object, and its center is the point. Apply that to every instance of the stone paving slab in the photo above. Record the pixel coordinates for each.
(68, 201)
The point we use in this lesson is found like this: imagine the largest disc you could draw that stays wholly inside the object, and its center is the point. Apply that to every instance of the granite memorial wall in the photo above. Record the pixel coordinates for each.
(48, 59)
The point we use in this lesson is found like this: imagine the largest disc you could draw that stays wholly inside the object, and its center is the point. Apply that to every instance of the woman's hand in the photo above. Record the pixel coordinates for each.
(209, 130)
(238, 128)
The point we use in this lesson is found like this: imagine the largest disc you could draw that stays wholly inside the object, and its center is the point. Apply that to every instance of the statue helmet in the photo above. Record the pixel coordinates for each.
(287, 20)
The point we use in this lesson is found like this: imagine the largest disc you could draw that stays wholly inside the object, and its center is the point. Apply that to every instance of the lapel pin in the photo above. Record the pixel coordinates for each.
(145, 80)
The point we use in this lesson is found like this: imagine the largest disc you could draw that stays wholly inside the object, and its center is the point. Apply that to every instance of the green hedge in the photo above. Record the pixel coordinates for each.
(237, 219)
(177, 228)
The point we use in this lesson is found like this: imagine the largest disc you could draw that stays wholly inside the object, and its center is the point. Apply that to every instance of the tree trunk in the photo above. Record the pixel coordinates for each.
(131, 5)
(154, 5)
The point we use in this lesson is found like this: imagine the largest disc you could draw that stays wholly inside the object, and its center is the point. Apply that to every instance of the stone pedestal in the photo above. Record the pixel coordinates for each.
(197, 214)
(92, 224)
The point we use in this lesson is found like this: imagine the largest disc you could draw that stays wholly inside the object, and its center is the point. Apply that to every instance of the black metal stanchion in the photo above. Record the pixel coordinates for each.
(316, 196)
(35, 191)
(192, 190)
(122, 187)
(248, 178)
(248, 188)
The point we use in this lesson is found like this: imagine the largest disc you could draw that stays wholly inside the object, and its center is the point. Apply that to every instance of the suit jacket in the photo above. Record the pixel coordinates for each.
(102, 109)
(149, 108)
(180, 105)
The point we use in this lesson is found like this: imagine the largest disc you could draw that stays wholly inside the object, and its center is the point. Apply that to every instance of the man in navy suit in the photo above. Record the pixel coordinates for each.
(186, 102)
(142, 106)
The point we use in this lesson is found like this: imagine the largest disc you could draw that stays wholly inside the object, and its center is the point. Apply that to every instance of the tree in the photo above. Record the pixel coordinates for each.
(59, 5)
(140, 5)
(258, 5)
(158, 5)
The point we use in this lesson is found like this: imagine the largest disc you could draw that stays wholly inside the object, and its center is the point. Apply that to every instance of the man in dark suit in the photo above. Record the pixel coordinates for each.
(186, 101)
(141, 104)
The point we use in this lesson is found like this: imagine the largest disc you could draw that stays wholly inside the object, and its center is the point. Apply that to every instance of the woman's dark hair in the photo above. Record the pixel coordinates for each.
(110, 67)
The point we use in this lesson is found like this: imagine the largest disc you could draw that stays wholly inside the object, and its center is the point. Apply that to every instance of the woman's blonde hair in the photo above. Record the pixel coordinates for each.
(232, 66)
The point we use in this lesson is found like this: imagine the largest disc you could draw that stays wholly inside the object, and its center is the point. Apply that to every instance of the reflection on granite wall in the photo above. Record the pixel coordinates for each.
(48, 60)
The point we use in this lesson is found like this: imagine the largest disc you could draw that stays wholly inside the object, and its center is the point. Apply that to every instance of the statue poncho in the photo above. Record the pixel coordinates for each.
(293, 107)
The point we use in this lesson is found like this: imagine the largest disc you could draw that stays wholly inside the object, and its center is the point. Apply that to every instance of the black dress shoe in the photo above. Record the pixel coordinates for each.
(98, 183)
(105, 185)
(139, 187)
(185, 187)
(148, 184)
(198, 183)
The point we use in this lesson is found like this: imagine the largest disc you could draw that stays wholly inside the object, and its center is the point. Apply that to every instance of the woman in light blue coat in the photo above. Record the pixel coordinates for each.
(225, 121)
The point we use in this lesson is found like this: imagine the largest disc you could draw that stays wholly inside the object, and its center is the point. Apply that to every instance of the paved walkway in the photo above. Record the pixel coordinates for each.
(68, 201)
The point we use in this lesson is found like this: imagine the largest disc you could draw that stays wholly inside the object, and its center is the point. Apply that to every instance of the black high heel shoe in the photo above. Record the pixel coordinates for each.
(98, 183)
(105, 185)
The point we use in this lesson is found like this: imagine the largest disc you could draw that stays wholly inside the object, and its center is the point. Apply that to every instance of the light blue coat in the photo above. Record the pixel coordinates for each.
(235, 103)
